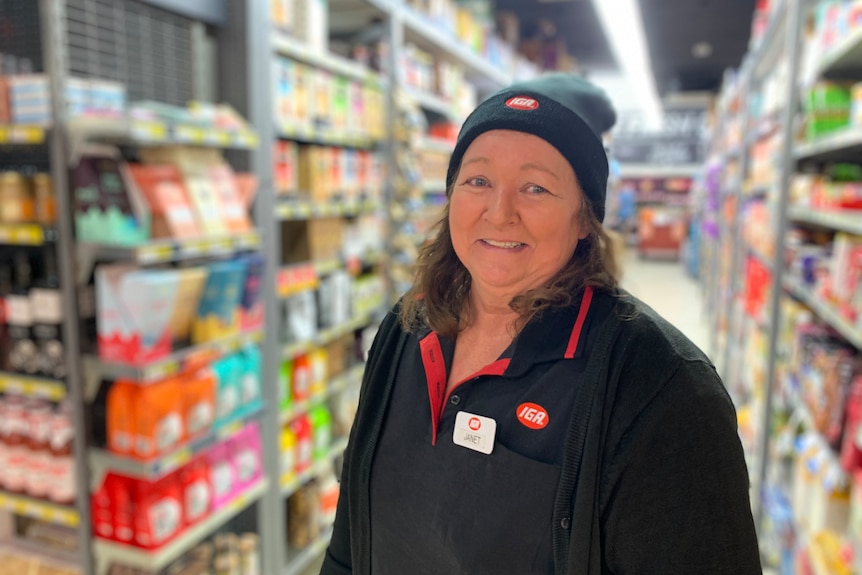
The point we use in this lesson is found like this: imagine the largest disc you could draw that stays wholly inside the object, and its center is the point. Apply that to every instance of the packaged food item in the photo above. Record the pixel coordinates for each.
(222, 475)
(321, 431)
(251, 379)
(303, 516)
(121, 424)
(172, 213)
(38, 453)
(233, 209)
(251, 303)
(46, 208)
(302, 378)
(228, 373)
(134, 308)
(285, 384)
(218, 312)
(319, 366)
(197, 494)
(249, 548)
(18, 203)
(199, 401)
(245, 452)
(189, 292)
(158, 511)
(16, 431)
(329, 493)
(303, 430)
(159, 418)
(288, 449)
(62, 466)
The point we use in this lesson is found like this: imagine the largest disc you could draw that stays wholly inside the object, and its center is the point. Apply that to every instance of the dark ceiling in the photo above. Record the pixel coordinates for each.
(672, 27)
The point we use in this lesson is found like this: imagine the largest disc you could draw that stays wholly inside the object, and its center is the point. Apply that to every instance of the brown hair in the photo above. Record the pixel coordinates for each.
(439, 296)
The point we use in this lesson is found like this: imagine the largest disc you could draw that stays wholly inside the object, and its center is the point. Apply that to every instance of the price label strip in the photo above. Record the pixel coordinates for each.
(155, 253)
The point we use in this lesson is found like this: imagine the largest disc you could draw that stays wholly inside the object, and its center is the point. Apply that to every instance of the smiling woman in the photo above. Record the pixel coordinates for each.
(571, 430)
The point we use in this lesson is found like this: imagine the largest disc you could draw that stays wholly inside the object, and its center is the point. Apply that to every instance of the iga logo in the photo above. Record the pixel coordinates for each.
(475, 423)
(532, 415)
(522, 103)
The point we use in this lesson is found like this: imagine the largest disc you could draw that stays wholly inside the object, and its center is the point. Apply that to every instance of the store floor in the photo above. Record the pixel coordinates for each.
(664, 286)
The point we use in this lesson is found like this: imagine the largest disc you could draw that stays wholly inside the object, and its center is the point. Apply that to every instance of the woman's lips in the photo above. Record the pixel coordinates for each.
(503, 244)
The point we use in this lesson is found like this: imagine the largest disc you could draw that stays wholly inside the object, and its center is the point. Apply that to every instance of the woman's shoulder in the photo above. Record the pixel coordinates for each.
(642, 329)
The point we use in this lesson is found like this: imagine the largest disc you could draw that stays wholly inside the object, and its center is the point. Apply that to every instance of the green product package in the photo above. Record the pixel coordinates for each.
(321, 431)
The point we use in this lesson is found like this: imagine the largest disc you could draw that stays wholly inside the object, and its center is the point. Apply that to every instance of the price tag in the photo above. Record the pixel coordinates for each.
(27, 135)
(14, 385)
(149, 131)
(4, 135)
(187, 134)
(221, 245)
(174, 461)
(229, 430)
(193, 248)
(239, 503)
(155, 253)
(161, 370)
(247, 140)
(250, 240)
(305, 210)
(217, 138)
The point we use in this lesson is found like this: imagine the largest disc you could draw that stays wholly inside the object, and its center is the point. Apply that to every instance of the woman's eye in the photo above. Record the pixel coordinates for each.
(533, 189)
(477, 181)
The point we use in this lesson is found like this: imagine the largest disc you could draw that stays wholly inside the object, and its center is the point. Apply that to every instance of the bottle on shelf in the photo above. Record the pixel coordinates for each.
(21, 356)
(16, 199)
(62, 464)
(15, 437)
(38, 448)
(45, 206)
(47, 304)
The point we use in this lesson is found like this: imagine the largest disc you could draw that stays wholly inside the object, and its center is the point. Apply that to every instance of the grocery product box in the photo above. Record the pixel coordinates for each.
(312, 23)
(311, 240)
(134, 308)
(218, 312)
(286, 171)
(108, 207)
(251, 302)
(172, 214)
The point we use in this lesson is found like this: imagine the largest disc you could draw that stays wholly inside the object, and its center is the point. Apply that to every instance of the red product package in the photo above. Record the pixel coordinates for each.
(113, 509)
(158, 511)
(302, 427)
(197, 491)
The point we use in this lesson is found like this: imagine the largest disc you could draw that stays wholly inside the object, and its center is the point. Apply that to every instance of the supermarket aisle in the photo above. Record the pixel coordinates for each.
(665, 287)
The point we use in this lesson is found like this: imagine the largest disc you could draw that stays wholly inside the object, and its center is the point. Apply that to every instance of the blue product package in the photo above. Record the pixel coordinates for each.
(218, 311)
(251, 379)
(228, 372)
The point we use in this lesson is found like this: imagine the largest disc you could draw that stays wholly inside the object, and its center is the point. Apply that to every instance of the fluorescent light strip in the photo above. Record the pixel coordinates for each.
(623, 25)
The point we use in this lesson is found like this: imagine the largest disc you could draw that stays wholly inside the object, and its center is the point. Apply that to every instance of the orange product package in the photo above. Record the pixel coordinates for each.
(159, 417)
(121, 422)
(199, 393)
(234, 210)
(172, 212)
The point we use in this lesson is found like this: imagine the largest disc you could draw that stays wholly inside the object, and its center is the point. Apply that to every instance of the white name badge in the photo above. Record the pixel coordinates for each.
(475, 432)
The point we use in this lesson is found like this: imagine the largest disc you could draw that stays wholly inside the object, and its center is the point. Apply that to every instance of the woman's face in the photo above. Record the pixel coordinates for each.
(515, 212)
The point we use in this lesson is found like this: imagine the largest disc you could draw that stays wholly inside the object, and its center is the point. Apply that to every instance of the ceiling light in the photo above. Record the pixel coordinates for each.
(623, 26)
(701, 50)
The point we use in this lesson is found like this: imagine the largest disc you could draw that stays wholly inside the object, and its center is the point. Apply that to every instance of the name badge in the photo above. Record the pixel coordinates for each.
(475, 432)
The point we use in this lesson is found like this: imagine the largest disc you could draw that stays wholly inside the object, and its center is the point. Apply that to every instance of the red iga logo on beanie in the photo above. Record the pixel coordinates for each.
(522, 103)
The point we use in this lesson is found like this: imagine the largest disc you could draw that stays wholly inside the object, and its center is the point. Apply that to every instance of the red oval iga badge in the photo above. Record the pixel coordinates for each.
(532, 415)
(522, 103)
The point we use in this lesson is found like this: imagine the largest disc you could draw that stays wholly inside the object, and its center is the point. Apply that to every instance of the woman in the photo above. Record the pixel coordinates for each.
(519, 413)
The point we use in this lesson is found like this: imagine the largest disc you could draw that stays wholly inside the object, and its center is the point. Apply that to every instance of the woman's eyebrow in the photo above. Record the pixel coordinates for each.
(541, 168)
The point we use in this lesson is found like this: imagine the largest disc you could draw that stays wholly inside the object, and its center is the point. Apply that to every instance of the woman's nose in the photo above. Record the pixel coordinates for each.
(501, 209)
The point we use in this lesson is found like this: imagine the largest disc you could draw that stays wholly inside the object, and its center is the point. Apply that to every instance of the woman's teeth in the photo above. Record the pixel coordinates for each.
(503, 244)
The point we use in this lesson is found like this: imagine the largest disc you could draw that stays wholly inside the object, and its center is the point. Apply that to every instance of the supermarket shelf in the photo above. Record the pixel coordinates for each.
(291, 485)
(296, 278)
(325, 337)
(845, 143)
(303, 559)
(844, 60)
(26, 234)
(298, 50)
(420, 30)
(429, 101)
(303, 210)
(336, 386)
(174, 363)
(172, 250)
(841, 220)
(655, 171)
(109, 552)
(102, 460)
(309, 135)
(21, 134)
(153, 132)
(771, 45)
(36, 387)
(826, 312)
(37, 509)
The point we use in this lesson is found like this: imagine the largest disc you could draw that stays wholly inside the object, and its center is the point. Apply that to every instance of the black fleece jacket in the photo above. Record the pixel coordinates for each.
(653, 479)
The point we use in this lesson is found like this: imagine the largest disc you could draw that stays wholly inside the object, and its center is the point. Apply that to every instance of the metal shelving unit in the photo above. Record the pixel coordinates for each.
(246, 42)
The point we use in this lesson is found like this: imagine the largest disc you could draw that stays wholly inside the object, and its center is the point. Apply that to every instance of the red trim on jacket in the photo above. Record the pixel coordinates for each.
(575, 338)
(435, 373)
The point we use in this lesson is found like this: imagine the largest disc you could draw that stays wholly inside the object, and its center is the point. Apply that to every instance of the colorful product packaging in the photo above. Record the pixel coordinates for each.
(218, 312)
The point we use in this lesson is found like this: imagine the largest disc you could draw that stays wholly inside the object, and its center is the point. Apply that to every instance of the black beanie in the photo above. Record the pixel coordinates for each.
(568, 112)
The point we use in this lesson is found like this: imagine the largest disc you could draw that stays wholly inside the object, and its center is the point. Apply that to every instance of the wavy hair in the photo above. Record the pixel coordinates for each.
(439, 298)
